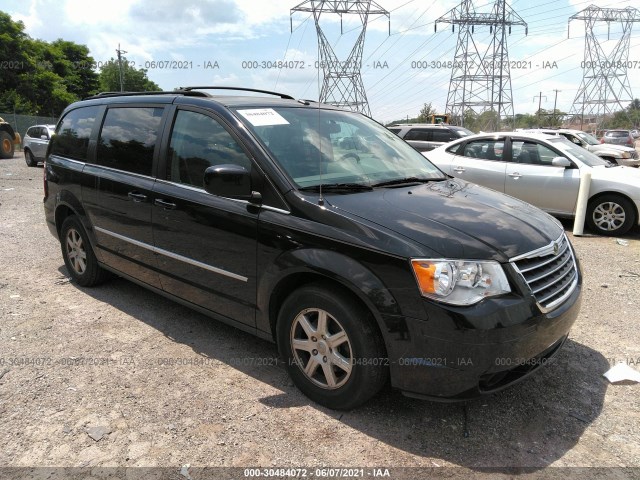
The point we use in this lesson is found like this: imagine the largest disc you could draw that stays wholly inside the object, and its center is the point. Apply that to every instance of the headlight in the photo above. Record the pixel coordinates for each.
(459, 282)
(626, 155)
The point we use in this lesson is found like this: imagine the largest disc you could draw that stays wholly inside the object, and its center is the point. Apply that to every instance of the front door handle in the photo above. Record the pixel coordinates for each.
(458, 169)
(515, 175)
(164, 204)
(137, 196)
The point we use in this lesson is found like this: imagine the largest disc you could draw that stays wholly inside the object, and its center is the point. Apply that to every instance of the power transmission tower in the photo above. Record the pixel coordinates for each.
(342, 83)
(480, 77)
(605, 84)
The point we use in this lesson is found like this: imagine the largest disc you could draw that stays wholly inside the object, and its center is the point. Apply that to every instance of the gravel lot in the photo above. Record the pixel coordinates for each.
(117, 376)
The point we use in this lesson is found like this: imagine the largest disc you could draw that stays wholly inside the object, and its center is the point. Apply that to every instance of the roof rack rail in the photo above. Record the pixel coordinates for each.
(129, 94)
(242, 89)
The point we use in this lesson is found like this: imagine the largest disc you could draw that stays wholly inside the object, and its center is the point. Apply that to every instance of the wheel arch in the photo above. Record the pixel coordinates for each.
(329, 268)
(66, 205)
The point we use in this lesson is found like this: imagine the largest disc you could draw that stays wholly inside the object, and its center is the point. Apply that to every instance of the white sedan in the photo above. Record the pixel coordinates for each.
(545, 171)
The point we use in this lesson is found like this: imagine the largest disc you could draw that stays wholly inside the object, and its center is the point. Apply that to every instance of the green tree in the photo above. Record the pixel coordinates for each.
(425, 113)
(12, 51)
(38, 77)
(134, 79)
(73, 63)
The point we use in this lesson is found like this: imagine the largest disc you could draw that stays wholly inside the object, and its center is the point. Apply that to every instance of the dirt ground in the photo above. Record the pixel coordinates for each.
(117, 376)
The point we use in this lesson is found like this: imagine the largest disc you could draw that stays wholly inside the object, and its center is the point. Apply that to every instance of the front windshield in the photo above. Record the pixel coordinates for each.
(323, 147)
(587, 137)
(585, 156)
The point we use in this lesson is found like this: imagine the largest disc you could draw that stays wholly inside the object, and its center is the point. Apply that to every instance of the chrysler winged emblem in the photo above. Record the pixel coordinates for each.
(556, 248)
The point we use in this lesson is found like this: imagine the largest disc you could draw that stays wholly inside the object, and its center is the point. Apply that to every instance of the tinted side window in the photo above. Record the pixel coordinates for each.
(72, 135)
(128, 138)
(395, 130)
(418, 134)
(443, 135)
(198, 142)
(32, 132)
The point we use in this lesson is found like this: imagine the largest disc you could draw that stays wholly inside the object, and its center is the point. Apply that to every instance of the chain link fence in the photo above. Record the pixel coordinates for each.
(21, 123)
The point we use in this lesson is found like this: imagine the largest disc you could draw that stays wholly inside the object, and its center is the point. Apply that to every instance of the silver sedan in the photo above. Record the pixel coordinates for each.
(545, 171)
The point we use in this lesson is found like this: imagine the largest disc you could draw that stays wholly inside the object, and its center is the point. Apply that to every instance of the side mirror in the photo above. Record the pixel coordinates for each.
(44, 137)
(227, 180)
(560, 162)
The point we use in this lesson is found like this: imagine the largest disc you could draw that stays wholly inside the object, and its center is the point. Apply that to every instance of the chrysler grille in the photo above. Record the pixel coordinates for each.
(551, 272)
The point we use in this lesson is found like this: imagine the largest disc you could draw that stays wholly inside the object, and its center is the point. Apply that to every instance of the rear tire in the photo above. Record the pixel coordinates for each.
(6, 145)
(333, 349)
(610, 215)
(78, 255)
(28, 157)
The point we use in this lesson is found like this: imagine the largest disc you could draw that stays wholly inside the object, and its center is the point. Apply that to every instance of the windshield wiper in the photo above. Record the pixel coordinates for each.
(335, 187)
(407, 180)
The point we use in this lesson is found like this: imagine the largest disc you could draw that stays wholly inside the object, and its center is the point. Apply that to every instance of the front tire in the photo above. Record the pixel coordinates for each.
(332, 347)
(610, 215)
(78, 255)
(28, 157)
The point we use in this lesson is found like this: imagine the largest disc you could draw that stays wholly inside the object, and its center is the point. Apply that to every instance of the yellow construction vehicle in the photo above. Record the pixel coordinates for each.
(439, 118)
(8, 139)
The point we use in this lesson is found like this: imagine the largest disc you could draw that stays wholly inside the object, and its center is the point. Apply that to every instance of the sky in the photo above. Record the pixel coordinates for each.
(240, 42)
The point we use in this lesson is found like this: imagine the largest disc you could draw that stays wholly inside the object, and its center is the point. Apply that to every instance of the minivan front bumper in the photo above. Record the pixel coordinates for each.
(458, 353)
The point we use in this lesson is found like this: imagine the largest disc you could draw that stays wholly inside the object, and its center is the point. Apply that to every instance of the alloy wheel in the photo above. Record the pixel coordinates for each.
(609, 216)
(76, 251)
(321, 348)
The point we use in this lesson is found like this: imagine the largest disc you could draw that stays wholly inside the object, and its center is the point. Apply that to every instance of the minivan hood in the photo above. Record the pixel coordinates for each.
(456, 219)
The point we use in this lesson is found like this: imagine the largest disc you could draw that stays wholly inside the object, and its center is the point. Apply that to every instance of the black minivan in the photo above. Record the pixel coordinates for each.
(315, 228)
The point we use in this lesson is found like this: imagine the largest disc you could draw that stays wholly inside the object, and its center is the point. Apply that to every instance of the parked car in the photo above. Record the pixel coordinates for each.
(620, 154)
(360, 259)
(425, 136)
(35, 143)
(545, 171)
(618, 137)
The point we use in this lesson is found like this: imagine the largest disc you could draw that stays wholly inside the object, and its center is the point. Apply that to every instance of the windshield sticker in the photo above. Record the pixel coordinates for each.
(263, 117)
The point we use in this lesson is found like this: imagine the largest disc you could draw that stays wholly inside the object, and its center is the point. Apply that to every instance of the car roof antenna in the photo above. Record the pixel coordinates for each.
(321, 197)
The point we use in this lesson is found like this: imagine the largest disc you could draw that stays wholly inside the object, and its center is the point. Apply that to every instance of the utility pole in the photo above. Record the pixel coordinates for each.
(539, 97)
(555, 103)
(481, 78)
(120, 53)
(342, 83)
(605, 83)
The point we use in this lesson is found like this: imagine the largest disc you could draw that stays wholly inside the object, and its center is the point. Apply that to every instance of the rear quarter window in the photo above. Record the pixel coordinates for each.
(73, 133)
